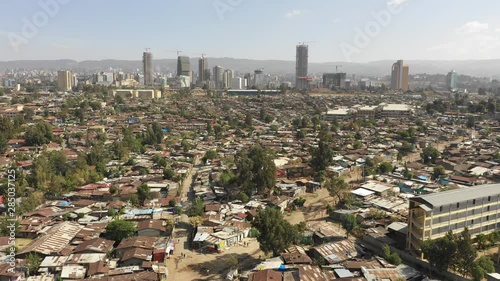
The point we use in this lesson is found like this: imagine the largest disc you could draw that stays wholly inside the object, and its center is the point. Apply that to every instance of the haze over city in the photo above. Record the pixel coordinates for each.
(92, 30)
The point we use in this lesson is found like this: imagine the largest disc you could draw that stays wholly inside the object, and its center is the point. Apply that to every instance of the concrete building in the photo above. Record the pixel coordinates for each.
(141, 94)
(218, 77)
(399, 76)
(202, 70)
(392, 110)
(432, 216)
(451, 80)
(184, 67)
(147, 64)
(228, 77)
(258, 78)
(64, 80)
(238, 83)
(301, 64)
(332, 80)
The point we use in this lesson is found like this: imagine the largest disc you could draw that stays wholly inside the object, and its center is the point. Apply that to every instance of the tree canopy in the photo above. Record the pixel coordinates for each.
(454, 251)
(275, 233)
(256, 170)
(119, 229)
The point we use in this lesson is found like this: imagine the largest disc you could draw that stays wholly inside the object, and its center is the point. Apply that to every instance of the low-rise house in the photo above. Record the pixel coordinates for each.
(143, 242)
(279, 202)
(53, 264)
(73, 272)
(136, 256)
(54, 240)
(324, 231)
(296, 255)
(152, 228)
(335, 252)
(266, 275)
(96, 245)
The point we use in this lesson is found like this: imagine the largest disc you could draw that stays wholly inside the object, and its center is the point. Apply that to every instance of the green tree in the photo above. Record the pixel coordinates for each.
(439, 252)
(211, 154)
(481, 267)
(210, 130)
(248, 121)
(185, 145)
(168, 173)
(243, 197)
(7, 127)
(39, 134)
(439, 171)
(465, 255)
(471, 122)
(172, 203)
(430, 155)
(3, 143)
(336, 187)
(119, 229)
(275, 233)
(322, 156)
(218, 131)
(197, 209)
(392, 258)
(7, 226)
(256, 170)
(144, 193)
(481, 240)
(33, 261)
(349, 223)
(385, 167)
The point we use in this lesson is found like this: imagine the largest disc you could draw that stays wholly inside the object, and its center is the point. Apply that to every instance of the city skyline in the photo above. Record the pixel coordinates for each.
(461, 33)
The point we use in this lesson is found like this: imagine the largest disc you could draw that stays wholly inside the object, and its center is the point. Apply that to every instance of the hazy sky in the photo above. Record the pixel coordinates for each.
(339, 30)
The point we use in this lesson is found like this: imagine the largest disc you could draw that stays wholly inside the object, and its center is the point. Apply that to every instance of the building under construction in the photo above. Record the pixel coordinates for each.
(301, 63)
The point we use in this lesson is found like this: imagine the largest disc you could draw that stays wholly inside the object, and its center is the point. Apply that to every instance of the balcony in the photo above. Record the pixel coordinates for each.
(418, 223)
(416, 235)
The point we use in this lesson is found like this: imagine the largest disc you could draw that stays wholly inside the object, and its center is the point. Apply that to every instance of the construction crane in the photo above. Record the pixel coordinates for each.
(337, 68)
(176, 51)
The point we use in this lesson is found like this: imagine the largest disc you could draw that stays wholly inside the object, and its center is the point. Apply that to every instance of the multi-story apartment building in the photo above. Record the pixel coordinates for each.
(432, 216)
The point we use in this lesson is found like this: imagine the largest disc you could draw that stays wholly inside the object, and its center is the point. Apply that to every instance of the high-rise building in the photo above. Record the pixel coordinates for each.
(64, 80)
(183, 66)
(218, 77)
(432, 216)
(202, 70)
(147, 64)
(238, 83)
(228, 76)
(451, 80)
(331, 80)
(399, 76)
(301, 63)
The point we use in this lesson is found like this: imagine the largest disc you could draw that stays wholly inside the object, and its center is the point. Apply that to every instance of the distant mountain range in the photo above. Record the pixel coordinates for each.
(481, 68)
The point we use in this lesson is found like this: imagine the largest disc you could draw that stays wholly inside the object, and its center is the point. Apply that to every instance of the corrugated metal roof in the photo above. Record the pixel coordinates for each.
(336, 252)
(458, 195)
(55, 240)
